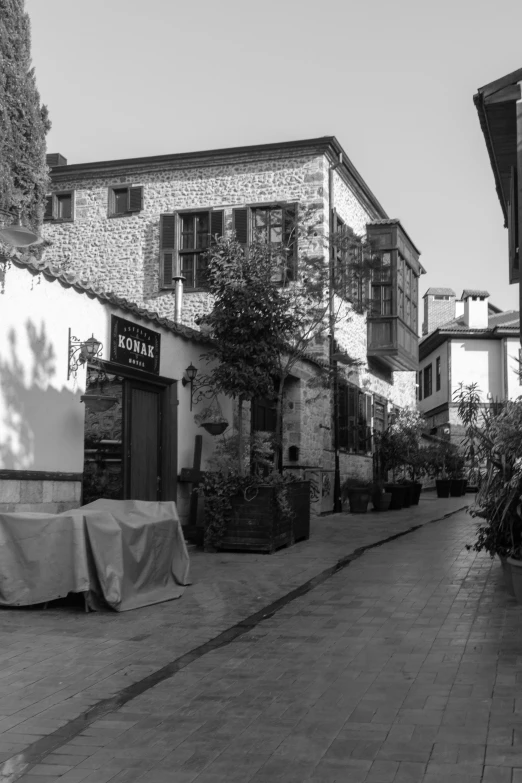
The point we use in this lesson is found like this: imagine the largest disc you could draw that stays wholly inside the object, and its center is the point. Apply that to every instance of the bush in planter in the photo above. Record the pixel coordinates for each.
(441, 458)
(494, 443)
(399, 451)
(260, 510)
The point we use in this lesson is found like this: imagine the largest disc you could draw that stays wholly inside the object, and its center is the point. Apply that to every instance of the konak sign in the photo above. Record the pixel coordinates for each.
(134, 346)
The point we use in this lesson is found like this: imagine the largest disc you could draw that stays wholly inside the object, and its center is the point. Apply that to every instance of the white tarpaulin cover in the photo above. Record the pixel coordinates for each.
(130, 552)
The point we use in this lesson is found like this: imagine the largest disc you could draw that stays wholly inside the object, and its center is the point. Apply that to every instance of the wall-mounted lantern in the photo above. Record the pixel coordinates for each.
(200, 390)
(81, 351)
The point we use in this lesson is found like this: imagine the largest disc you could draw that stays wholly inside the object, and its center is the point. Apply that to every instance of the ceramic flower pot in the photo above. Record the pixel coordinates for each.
(506, 573)
(397, 492)
(358, 499)
(443, 488)
(516, 576)
(381, 501)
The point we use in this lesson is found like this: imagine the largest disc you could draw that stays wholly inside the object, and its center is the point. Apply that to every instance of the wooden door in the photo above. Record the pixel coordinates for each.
(143, 436)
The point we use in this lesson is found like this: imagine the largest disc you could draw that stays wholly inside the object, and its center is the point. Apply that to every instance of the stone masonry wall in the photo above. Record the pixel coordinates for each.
(121, 254)
(50, 497)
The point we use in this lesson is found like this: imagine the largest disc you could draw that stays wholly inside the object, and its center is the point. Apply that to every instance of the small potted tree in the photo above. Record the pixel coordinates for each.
(494, 444)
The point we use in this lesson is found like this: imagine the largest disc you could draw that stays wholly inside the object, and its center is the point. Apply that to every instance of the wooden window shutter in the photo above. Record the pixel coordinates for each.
(368, 434)
(168, 250)
(240, 223)
(135, 199)
(217, 220)
(48, 209)
(290, 219)
(513, 229)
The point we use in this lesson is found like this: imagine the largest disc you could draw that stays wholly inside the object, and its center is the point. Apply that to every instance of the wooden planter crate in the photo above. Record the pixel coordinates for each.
(256, 524)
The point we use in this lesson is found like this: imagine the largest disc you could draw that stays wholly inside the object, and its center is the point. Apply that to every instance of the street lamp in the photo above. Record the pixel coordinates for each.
(17, 235)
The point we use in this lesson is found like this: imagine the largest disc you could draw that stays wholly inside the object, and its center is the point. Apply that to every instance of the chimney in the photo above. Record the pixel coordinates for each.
(55, 159)
(459, 308)
(476, 309)
(439, 308)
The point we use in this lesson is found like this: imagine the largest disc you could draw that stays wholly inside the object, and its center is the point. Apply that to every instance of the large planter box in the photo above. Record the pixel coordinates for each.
(257, 524)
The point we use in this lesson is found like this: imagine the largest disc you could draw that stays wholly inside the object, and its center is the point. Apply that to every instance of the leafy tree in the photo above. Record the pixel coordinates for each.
(268, 315)
(24, 122)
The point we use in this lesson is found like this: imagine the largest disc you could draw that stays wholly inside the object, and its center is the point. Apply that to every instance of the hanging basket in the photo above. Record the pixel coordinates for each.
(214, 427)
(98, 402)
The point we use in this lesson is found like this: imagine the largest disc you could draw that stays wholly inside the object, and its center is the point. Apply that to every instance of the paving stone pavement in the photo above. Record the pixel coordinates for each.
(404, 667)
(56, 663)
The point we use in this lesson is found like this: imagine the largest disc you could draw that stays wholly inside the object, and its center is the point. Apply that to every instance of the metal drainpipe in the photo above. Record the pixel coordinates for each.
(178, 297)
(333, 364)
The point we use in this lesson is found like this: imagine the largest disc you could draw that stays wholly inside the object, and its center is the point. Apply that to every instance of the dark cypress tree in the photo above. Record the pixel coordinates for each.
(24, 122)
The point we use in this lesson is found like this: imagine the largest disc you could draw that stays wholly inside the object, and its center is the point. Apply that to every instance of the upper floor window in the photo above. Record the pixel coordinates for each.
(272, 224)
(437, 374)
(382, 298)
(428, 381)
(184, 240)
(125, 200)
(194, 240)
(59, 207)
(419, 387)
(350, 280)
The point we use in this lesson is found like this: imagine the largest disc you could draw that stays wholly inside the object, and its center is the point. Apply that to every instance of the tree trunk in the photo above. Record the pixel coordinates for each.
(279, 426)
(240, 439)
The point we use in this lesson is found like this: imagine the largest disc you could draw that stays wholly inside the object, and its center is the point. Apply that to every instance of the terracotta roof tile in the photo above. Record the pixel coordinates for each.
(83, 285)
(470, 292)
(440, 292)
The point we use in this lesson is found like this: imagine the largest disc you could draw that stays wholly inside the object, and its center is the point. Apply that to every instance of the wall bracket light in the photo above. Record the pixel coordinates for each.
(199, 390)
(81, 351)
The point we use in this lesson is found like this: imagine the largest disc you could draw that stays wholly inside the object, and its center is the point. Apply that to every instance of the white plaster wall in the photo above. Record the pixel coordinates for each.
(514, 384)
(440, 397)
(478, 361)
(41, 416)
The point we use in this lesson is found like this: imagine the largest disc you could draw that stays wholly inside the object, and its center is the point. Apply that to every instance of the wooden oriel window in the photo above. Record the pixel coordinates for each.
(125, 200)
(382, 298)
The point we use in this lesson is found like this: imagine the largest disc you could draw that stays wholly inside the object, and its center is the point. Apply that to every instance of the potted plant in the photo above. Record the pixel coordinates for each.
(437, 456)
(212, 420)
(398, 450)
(381, 499)
(493, 443)
(357, 493)
(256, 510)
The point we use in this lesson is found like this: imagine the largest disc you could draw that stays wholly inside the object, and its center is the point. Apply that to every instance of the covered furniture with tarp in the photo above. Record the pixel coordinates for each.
(124, 553)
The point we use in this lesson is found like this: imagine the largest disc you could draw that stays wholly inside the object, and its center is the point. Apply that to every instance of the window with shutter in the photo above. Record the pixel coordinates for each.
(276, 226)
(196, 232)
(125, 200)
(240, 223)
(59, 207)
(48, 211)
(168, 252)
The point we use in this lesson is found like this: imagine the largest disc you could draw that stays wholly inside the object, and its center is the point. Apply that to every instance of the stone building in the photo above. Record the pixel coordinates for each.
(137, 228)
(470, 340)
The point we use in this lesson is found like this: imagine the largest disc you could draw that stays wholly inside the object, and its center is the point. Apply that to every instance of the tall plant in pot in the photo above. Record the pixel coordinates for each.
(493, 443)
(399, 451)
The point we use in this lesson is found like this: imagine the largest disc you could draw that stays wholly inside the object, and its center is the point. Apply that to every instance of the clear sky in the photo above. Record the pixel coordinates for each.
(394, 81)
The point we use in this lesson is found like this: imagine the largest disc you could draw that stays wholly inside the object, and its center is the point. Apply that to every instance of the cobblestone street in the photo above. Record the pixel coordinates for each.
(401, 667)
